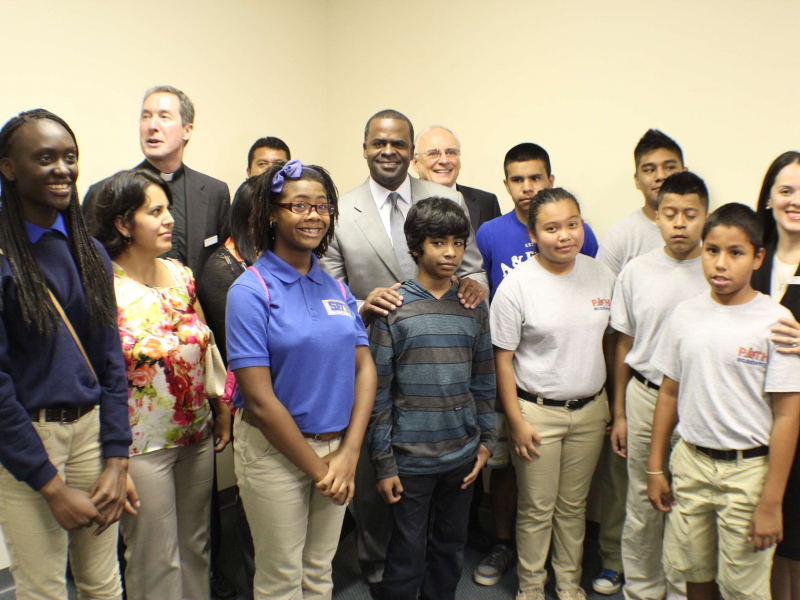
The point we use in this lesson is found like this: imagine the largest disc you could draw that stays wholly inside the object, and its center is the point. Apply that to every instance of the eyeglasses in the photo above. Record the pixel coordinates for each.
(304, 208)
(435, 153)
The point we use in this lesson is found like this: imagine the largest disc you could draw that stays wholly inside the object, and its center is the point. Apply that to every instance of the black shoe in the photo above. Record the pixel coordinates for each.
(374, 591)
(222, 588)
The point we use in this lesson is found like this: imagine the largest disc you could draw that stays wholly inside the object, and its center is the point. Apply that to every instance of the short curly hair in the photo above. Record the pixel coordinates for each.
(122, 194)
(434, 217)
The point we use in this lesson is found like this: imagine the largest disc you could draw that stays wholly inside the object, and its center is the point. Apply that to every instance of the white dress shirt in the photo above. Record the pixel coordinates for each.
(381, 196)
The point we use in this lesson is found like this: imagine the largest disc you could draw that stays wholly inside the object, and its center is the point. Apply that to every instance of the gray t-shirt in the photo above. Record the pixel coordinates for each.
(647, 291)
(727, 367)
(625, 240)
(555, 326)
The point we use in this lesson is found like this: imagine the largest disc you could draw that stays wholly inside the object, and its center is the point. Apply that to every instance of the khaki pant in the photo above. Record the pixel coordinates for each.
(168, 545)
(707, 530)
(295, 528)
(37, 544)
(642, 537)
(553, 490)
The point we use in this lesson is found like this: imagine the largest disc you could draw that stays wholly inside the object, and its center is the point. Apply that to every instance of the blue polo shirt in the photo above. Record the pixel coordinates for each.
(504, 243)
(307, 335)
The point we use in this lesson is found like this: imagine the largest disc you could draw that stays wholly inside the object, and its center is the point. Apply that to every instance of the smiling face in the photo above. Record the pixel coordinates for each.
(43, 164)
(388, 151)
(442, 169)
(652, 170)
(162, 134)
(263, 159)
(300, 233)
(523, 181)
(784, 199)
(559, 234)
(151, 229)
(729, 260)
(680, 219)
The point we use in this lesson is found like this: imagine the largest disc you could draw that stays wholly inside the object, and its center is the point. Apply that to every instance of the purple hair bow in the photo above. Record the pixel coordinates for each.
(291, 170)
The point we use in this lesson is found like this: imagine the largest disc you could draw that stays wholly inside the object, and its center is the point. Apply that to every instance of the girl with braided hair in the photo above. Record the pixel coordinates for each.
(64, 430)
(306, 380)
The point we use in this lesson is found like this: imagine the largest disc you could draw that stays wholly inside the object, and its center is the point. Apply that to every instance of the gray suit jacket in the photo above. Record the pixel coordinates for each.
(361, 254)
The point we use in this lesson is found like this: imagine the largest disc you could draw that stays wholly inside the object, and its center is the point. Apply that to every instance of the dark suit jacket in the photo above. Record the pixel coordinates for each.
(208, 204)
(762, 278)
(482, 206)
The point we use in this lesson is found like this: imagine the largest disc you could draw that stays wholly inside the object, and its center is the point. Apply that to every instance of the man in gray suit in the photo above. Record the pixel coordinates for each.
(369, 254)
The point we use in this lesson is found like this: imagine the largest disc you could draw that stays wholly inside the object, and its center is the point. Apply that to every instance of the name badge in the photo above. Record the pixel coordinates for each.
(793, 281)
(336, 307)
(211, 241)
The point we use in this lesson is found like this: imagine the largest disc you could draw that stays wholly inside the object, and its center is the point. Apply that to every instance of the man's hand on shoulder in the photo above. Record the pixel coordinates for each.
(380, 301)
(470, 292)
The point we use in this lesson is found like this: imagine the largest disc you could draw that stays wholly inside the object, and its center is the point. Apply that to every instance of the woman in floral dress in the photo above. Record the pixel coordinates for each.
(164, 339)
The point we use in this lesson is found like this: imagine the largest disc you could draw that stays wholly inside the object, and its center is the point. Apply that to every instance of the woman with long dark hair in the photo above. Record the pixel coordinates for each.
(226, 264)
(64, 431)
(779, 276)
(164, 339)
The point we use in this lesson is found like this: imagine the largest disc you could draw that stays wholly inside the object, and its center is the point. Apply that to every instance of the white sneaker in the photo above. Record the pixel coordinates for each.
(576, 594)
(491, 568)
(535, 594)
(609, 582)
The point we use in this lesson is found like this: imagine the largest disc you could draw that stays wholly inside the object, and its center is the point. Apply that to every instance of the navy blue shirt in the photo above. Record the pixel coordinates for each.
(37, 372)
(306, 334)
(504, 243)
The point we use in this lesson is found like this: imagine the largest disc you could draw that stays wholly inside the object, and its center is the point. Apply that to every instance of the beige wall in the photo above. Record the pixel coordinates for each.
(584, 79)
(252, 68)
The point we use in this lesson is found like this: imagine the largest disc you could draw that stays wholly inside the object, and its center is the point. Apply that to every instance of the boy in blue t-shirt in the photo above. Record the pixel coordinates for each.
(735, 399)
(505, 243)
(432, 426)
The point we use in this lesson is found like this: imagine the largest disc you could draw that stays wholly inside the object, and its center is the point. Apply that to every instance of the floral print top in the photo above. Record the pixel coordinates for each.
(164, 342)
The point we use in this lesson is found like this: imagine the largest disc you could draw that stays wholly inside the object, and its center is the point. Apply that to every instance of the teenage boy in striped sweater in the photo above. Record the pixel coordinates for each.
(433, 424)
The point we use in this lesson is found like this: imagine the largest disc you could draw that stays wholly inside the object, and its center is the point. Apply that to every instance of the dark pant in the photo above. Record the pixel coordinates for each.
(245, 543)
(408, 570)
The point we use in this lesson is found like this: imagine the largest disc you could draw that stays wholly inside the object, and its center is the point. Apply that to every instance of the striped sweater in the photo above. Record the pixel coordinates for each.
(436, 386)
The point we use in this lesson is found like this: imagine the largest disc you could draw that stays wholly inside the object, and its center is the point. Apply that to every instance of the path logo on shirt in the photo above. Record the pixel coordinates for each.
(749, 356)
(336, 307)
(601, 304)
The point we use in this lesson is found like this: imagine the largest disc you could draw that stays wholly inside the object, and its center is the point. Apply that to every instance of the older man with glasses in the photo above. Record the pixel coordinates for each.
(437, 158)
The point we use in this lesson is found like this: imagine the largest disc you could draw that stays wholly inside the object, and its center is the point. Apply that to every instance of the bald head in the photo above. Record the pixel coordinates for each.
(437, 156)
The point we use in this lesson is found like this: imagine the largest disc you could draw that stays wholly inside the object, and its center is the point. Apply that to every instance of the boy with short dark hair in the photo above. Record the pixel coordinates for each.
(736, 400)
(432, 426)
(647, 291)
(656, 157)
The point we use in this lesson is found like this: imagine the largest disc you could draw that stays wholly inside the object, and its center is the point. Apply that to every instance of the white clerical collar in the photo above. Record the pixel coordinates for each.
(381, 194)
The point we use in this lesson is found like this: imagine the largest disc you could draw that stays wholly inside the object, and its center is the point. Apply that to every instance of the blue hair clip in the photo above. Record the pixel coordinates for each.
(291, 170)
